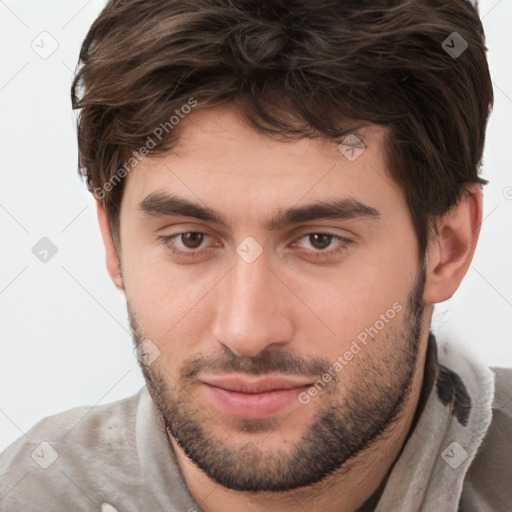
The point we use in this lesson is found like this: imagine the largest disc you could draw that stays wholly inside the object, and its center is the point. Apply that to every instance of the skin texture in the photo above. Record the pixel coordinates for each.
(291, 312)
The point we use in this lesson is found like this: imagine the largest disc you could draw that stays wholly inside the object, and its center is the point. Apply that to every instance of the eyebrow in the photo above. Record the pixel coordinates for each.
(159, 204)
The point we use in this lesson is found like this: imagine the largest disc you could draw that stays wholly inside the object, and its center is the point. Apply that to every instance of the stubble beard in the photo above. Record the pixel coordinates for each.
(372, 402)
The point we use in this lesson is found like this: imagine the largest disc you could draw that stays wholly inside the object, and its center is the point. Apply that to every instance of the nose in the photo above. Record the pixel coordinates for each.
(254, 309)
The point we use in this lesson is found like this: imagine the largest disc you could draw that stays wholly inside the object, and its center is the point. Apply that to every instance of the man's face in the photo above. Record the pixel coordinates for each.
(247, 316)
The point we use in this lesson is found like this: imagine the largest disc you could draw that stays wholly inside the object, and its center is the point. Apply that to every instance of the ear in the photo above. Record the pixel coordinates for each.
(112, 259)
(450, 254)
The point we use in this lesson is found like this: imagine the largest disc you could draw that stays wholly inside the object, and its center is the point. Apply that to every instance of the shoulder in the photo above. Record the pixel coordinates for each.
(45, 466)
(487, 484)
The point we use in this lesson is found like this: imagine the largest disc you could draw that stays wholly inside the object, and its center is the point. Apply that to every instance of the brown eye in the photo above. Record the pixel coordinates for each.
(192, 239)
(322, 246)
(320, 240)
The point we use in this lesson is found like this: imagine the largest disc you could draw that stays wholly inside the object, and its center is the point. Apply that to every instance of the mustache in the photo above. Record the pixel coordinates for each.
(266, 362)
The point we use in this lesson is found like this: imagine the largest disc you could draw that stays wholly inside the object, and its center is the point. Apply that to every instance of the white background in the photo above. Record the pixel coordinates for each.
(65, 339)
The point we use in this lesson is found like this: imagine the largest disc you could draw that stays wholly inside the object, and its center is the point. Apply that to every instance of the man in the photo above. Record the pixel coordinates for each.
(284, 190)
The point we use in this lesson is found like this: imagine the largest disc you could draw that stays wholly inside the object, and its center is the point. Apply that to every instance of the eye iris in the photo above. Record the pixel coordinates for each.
(192, 240)
(319, 240)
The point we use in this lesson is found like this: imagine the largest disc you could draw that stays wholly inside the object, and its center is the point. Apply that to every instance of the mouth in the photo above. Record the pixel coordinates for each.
(253, 398)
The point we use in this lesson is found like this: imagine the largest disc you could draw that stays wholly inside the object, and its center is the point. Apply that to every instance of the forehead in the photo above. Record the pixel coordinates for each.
(223, 163)
(204, 136)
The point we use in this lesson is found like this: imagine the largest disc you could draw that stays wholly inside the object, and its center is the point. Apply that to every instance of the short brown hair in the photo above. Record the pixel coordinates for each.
(295, 68)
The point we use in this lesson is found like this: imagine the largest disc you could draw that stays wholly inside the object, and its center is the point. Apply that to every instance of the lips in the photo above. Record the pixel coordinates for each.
(253, 398)
(260, 385)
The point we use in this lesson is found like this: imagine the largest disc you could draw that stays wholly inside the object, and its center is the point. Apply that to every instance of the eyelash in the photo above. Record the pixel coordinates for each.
(168, 241)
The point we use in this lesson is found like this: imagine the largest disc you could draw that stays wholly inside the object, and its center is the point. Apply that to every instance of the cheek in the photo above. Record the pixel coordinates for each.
(372, 289)
(172, 304)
